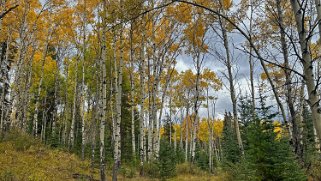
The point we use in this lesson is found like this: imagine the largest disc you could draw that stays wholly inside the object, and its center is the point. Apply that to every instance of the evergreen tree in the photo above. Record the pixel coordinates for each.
(269, 157)
(245, 110)
(168, 128)
(180, 155)
(264, 111)
(201, 158)
(311, 157)
(230, 149)
(272, 159)
(308, 135)
(167, 155)
(125, 128)
(167, 160)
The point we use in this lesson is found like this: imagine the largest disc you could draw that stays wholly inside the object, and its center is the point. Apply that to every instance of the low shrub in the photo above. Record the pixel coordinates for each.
(188, 169)
(22, 142)
(151, 170)
(127, 172)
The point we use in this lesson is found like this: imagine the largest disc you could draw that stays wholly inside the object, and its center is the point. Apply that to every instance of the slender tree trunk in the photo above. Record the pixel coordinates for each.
(210, 139)
(2, 109)
(17, 113)
(175, 139)
(83, 136)
(94, 118)
(295, 136)
(170, 120)
(299, 116)
(196, 106)
(44, 122)
(154, 87)
(73, 119)
(132, 92)
(307, 67)
(318, 8)
(5, 64)
(43, 60)
(65, 131)
(54, 111)
(142, 100)
(118, 94)
(251, 63)
(150, 116)
(154, 116)
(26, 91)
(166, 85)
(187, 119)
(103, 93)
(231, 85)
(181, 130)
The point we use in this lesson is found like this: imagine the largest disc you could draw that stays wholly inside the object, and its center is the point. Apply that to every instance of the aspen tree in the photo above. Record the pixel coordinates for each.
(118, 97)
(251, 61)
(318, 8)
(83, 82)
(228, 63)
(131, 59)
(5, 67)
(73, 119)
(210, 81)
(103, 95)
(307, 65)
(295, 135)
(43, 60)
(141, 105)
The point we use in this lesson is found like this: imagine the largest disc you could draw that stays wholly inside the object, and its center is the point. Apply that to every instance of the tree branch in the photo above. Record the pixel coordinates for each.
(7, 11)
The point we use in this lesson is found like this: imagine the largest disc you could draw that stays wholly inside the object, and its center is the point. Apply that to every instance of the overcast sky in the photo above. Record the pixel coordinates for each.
(240, 68)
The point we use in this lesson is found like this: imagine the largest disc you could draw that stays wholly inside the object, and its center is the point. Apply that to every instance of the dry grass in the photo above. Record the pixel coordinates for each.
(23, 158)
(178, 178)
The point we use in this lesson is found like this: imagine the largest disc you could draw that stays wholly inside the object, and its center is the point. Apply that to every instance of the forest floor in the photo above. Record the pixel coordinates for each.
(23, 158)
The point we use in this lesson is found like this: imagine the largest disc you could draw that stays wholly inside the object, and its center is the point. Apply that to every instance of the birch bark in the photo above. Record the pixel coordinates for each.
(307, 67)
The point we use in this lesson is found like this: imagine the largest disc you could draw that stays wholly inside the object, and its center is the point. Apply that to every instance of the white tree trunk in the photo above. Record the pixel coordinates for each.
(5, 64)
(65, 129)
(307, 67)
(118, 95)
(318, 8)
(103, 93)
(142, 100)
(43, 60)
(231, 85)
(131, 56)
(73, 119)
(210, 129)
(83, 99)
(150, 117)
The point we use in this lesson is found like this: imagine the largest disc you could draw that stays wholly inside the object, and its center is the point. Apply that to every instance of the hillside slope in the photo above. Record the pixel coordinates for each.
(23, 158)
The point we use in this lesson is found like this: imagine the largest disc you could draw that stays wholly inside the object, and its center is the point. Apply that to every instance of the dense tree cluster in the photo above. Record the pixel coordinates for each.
(100, 78)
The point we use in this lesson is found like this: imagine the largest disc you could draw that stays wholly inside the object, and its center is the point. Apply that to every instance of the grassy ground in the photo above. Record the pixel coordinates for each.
(23, 158)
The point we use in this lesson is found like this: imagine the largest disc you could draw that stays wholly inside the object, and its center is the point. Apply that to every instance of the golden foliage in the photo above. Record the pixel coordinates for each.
(227, 4)
(195, 33)
(278, 129)
(205, 126)
(210, 79)
(203, 129)
(181, 12)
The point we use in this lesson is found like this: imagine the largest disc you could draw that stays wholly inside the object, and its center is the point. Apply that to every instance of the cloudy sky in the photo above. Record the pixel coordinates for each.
(240, 69)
